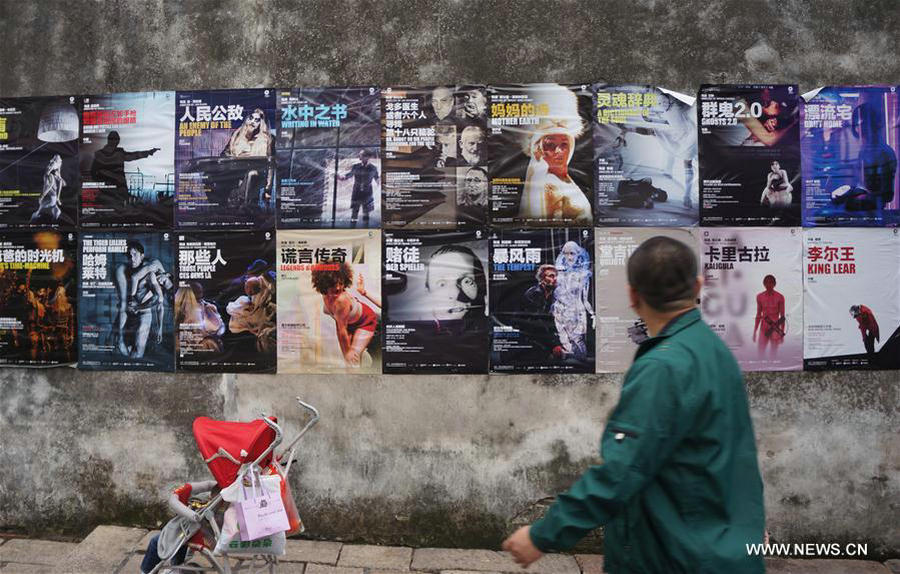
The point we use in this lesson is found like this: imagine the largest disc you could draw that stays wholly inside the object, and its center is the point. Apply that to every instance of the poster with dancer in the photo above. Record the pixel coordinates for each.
(126, 290)
(127, 160)
(850, 140)
(542, 301)
(752, 294)
(851, 299)
(541, 155)
(329, 301)
(39, 162)
(619, 329)
(38, 298)
(436, 302)
(225, 305)
(328, 152)
(435, 157)
(645, 141)
(749, 155)
(225, 159)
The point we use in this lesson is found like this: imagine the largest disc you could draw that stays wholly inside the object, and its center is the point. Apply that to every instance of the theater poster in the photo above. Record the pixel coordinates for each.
(127, 160)
(126, 290)
(541, 155)
(749, 155)
(542, 301)
(225, 306)
(329, 301)
(851, 299)
(38, 298)
(619, 329)
(39, 162)
(435, 157)
(752, 295)
(436, 302)
(328, 152)
(645, 141)
(225, 159)
(850, 140)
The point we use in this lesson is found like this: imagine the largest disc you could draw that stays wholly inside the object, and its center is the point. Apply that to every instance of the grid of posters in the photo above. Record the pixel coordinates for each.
(542, 301)
(752, 295)
(435, 152)
(225, 306)
(126, 299)
(127, 160)
(328, 155)
(619, 329)
(541, 155)
(329, 301)
(436, 302)
(38, 302)
(852, 299)
(749, 155)
(850, 140)
(225, 159)
(645, 142)
(39, 162)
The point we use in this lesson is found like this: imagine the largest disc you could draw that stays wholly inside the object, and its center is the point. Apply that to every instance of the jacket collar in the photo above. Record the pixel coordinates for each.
(675, 325)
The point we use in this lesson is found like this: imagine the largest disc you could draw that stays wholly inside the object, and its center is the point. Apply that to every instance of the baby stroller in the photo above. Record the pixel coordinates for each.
(230, 450)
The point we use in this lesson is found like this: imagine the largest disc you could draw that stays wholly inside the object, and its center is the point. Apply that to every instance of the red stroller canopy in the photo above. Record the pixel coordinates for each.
(243, 442)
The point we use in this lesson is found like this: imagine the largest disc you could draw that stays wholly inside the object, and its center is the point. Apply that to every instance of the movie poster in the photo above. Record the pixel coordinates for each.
(752, 295)
(541, 155)
(435, 157)
(542, 301)
(749, 155)
(436, 302)
(645, 141)
(852, 299)
(619, 329)
(225, 320)
(850, 139)
(38, 300)
(39, 162)
(126, 290)
(328, 152)
(225, 159)
(329, 301)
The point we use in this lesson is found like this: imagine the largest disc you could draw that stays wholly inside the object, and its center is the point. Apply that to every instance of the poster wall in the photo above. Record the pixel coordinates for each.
(329, 301)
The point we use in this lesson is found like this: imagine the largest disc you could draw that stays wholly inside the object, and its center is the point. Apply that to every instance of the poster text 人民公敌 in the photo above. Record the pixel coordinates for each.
(225, 159)
(749, 155)
(542, 301)
(752, 295)
(329, 301)
(127, 160)
(541, 155)
(225, 305)
(850, 138)
(39, 177)
(436, 302)
(645, 142)
(126, 292)
(38, 298)
(435, 157)
(329, 157)
(851, 299)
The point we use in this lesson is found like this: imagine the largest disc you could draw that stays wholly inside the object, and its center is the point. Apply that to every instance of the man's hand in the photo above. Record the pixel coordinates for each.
(159, 336)
(523, 550)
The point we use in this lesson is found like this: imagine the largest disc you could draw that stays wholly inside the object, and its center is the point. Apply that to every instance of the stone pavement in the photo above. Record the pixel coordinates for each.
(119, 550)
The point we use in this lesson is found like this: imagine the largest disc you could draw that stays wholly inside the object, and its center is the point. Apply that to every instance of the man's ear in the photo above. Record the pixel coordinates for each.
(698, 284)
(634, 298)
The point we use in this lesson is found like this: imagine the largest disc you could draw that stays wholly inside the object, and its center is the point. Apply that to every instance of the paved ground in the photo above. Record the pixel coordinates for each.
(118, 550)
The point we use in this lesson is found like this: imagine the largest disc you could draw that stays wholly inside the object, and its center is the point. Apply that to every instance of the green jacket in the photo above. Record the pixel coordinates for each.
(679, 488)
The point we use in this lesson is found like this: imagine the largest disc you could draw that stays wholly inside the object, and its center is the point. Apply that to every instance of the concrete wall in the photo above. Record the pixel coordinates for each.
(432, 460)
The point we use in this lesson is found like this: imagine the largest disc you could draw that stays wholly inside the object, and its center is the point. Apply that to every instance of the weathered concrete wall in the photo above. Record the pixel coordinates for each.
(432, 460)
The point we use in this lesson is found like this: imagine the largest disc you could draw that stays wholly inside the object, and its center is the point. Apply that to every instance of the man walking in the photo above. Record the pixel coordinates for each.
(679, 489)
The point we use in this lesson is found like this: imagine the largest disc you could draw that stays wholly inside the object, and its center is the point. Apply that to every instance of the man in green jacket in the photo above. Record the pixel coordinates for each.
(679, 489)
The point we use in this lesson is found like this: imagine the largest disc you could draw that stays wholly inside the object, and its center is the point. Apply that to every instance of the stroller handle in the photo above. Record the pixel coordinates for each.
(309, 425)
